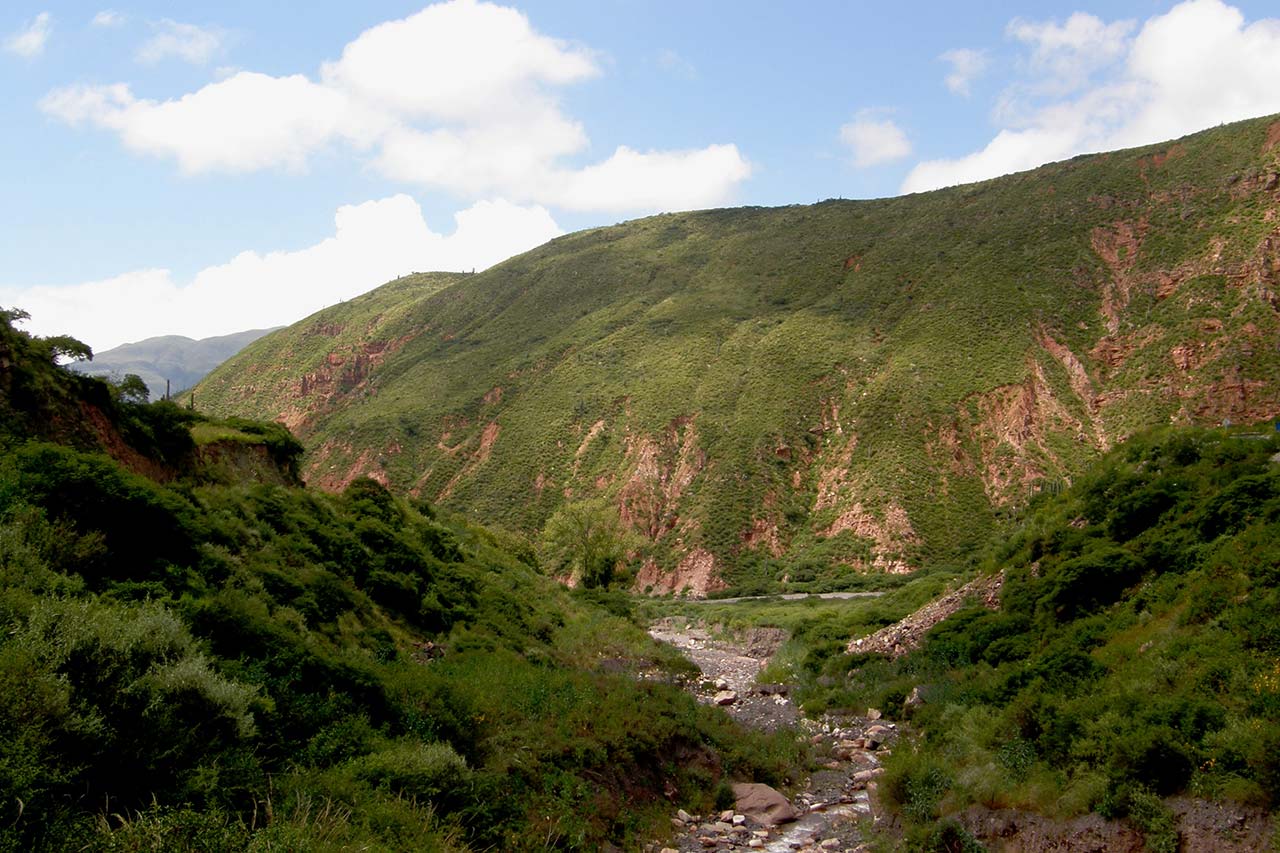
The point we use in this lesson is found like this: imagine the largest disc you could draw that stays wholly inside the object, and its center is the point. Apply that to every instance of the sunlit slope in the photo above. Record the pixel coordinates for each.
(806, 391)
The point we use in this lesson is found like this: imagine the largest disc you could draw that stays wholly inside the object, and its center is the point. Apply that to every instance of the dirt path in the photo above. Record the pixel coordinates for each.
(833, 805)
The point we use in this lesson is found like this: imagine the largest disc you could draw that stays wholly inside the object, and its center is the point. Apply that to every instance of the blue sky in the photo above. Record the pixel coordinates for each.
(205, 168)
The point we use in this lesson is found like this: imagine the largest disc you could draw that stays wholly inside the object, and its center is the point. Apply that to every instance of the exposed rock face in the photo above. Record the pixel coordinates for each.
(342, 372)
(892, 534)
(662, 469)
(695, 575)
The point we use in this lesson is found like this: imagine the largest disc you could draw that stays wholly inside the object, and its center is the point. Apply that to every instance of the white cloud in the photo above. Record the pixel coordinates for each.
(966, 65)
(372, 243)
(187, 42)
(874, 141)
(29, 42)
(1196, 66)
(462, 96)
(654, 180)
(246, 122)
(512, 157)
(1070, 52)
(461, 61)
(107, 18)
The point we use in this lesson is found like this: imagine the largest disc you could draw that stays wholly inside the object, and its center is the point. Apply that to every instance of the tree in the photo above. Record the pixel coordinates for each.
(585, 540)
(131, 389)
(58, 347)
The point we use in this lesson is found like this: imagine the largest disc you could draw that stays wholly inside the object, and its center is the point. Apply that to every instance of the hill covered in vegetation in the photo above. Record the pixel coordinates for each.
(1133, 655)
(177, 360)
(797, 395)
(198, 660)
(1126, 668)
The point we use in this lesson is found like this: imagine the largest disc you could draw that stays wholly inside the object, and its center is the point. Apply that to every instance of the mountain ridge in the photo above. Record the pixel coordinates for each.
(176, 359)
(780, 395)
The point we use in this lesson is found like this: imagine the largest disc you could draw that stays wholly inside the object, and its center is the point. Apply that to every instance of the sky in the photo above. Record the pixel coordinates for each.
(201, 169)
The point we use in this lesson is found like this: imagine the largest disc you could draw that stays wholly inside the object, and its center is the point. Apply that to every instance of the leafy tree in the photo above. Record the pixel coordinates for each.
(586, 540)
(58, 347)
(131, 389)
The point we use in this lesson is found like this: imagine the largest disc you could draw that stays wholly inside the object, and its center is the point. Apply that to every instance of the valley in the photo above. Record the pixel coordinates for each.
(945, 522)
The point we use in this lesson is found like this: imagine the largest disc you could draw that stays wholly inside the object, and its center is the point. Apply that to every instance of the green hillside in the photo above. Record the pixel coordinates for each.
(1132, 657)
(207, 664)
(180, 361)
(806, 393)
(1127, 665)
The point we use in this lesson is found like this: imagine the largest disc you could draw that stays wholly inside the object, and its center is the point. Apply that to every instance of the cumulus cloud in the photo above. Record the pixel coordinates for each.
(107, 18)
(966, 65)
(246, 122)
(653, 179)
(458, 61)
(175, 40)
(874, 141)
(372, 243)
(1069, 52)
(461, 96)
(29, 41)
(1198, 65)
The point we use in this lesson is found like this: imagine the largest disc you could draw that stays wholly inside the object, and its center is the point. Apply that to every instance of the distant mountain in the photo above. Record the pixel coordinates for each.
(803, 393)
(180, 360)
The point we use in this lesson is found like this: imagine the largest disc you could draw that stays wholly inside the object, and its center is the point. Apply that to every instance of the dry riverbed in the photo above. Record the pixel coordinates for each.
(833, 808)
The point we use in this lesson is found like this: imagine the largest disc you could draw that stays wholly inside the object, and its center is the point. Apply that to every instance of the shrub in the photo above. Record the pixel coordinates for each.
(428, 772)
(1095, 578)
(916, 783)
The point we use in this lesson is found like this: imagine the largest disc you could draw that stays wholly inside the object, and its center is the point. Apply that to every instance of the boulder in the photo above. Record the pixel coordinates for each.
(726, 697)
(762, 804)
(862, 777)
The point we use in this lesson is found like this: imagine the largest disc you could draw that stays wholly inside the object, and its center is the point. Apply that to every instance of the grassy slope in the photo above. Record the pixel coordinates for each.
(785, 368)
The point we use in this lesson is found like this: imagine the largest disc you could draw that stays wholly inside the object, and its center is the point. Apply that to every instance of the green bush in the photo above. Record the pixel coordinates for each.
(427, 772)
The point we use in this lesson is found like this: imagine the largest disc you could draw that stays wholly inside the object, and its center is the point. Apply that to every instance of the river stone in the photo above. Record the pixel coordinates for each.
(762, 804)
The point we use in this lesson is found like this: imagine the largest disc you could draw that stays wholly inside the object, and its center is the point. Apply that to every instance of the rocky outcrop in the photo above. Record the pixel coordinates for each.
(662, 468)
(695, 575)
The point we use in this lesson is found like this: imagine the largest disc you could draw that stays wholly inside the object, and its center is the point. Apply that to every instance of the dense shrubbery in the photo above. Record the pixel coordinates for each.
(198, 666)
(1133, 656)
(169, 650)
